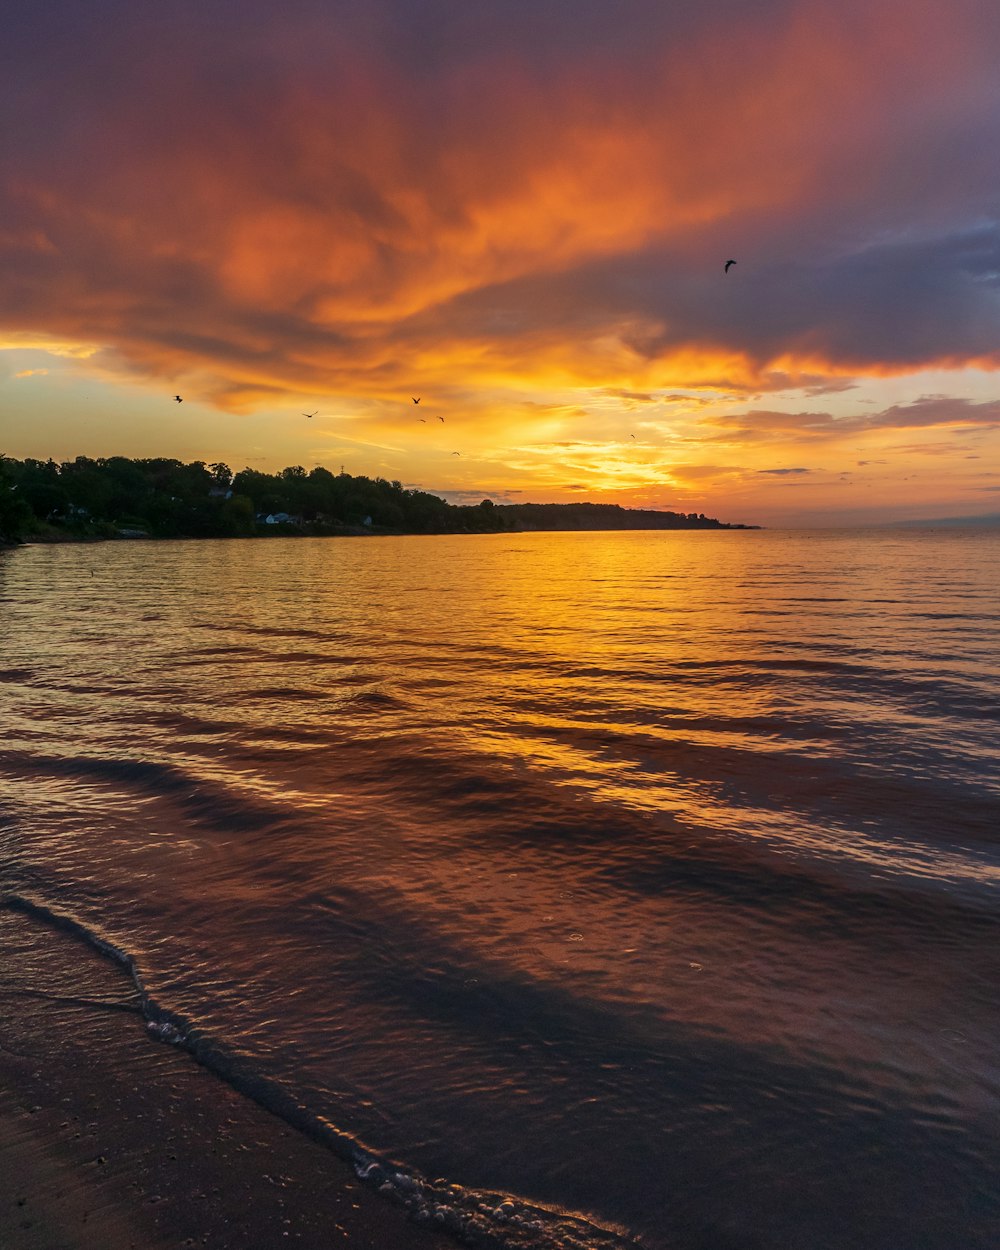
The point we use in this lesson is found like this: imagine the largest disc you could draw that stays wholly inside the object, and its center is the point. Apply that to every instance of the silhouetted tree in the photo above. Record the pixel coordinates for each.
(168, 498)
(15, 512)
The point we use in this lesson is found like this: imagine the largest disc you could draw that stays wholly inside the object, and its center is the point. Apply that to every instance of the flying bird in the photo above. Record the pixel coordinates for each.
(422, 420)
(631, 436)
(727, 264)
(178, 398)
(441, 418)
(416, 401)
(310, 415)
(456, 453)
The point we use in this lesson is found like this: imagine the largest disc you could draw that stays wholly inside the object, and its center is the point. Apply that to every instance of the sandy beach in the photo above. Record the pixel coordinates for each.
(111, 1140)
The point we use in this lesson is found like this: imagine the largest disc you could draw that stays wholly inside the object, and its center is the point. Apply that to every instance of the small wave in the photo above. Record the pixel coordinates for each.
(206, 657)
(494, 1221)
(284, 693)
(266, 631)
(483, 1219)
(374, 701)
(273, 631)
(17, 676)
(59, 920)
(213, 803)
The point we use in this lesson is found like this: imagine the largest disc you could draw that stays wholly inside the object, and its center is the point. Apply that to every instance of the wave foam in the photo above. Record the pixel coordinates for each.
(481, 1219)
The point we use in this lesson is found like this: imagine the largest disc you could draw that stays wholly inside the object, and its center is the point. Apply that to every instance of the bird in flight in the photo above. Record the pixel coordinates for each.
(416, 401)
(441, 419)
(456, 453)
(631, 436)
(310, 415)
(727, 264)
(422, 420)
(178, 398)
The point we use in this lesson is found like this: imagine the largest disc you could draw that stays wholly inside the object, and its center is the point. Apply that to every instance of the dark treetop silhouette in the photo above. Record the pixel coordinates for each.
(162, 498)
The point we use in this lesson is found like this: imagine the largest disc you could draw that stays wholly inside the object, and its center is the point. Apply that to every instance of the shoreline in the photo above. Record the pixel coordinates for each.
(51, 540)
(110, 1140)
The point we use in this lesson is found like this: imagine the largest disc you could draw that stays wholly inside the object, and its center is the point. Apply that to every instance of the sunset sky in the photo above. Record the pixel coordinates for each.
(518, 212)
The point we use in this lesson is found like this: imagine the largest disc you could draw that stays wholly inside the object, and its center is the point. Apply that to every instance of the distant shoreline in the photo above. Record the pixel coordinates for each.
(68, 539)
(115, 497)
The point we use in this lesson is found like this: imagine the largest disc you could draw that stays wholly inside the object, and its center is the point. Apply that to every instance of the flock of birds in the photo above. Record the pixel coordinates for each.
(309, 415)
(416, 398)
(423, 420)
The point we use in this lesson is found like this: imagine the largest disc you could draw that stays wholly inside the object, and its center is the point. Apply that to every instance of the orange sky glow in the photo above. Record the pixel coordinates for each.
(522, 219)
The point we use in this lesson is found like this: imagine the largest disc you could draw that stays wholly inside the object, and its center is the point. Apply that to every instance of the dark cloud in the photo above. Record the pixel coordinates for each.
(889, 306)
(680, 397)
(929, 412)
(639, 397)
(940, 447)
(783, 472)
(937, 410)
(766, 425)
(472, 498)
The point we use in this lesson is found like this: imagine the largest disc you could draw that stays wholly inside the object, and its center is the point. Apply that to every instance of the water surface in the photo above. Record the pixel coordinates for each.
(651, 877)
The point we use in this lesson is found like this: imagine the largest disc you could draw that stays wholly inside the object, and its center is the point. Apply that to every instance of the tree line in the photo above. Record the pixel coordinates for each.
(114, 496)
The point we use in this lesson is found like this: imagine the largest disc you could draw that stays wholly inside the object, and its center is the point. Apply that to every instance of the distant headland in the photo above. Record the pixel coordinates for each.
(114, 497)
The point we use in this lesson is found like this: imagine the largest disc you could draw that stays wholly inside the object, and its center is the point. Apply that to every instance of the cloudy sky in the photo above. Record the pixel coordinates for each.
(519, 213)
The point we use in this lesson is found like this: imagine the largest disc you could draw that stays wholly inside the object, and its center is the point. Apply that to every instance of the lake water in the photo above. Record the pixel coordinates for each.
(584, 887)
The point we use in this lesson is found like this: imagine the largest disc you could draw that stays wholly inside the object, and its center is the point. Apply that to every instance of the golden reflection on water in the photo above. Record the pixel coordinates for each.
(587, 655)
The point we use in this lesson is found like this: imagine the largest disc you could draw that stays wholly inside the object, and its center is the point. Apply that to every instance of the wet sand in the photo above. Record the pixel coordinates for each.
(110, 1140)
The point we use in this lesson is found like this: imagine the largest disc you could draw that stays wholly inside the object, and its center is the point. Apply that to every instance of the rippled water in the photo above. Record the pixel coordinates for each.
(648, 877)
